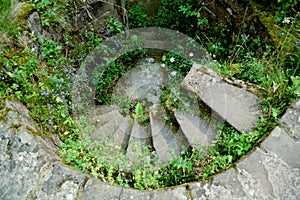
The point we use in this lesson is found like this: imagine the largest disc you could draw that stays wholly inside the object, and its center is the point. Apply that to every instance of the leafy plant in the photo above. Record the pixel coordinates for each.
(138, 110)
(137, 18)
(51, 11)
(179, 15)
(114, 25)
(285, 8)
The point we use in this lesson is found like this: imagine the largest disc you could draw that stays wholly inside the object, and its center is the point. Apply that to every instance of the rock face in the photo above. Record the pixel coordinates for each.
(238, 107)
(30, 168)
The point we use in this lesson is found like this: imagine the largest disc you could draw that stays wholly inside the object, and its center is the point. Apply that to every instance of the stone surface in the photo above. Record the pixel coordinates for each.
(196, 130)
(165, 139)
(291, 119)
(128, 194)
(142, 83)
(96, 189)
(253, 167)
(60, 183)
(177, 193)
(113, 128)
(280, 143)
(139, 138)
(238, 107)
(261, 175)
(29, 166)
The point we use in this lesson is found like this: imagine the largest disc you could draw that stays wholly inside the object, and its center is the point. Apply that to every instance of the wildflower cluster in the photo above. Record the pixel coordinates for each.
(173, 61)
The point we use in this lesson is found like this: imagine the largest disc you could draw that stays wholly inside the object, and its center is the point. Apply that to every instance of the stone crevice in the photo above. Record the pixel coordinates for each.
(42, 176)
(80, 190)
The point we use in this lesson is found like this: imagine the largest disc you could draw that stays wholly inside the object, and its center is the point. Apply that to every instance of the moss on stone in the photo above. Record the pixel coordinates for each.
(3, 110)
(20, 13)
(267, 19)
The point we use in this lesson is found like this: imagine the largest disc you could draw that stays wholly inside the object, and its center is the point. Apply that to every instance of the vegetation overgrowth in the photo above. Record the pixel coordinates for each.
(40, 74)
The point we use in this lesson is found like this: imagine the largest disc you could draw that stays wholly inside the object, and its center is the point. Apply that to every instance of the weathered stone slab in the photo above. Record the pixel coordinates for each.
(61, 183)
(280, 143)
(222, 186)
(97, 111)
(257, 174)
(292, 121)
(111, 116)
(229, 180)
(29, 166)
(238, 107)
(139, 139)
(96, 189)
(22, 156)
(177, 193)
(261, 175)
(264, 175)
(165, 140)
(142, 83)
(135, 194)
(113, 128)
(196, 130)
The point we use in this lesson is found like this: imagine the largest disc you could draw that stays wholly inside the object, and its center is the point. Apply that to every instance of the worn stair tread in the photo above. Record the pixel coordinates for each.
(196, 130)
(100, 110)
(237, 106)
(139, 138)
(116, 131)
(165, 140)
(107, 117)
(142, 83)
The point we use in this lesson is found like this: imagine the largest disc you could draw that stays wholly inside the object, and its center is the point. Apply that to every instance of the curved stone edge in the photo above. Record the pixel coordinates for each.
(30, 169)
(271, 171)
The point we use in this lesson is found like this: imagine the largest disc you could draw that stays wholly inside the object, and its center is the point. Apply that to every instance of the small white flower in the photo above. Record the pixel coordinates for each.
(172, 59)
(286, 20)
(163, 58)
(163, 65)
(173, 73)
(191, 54)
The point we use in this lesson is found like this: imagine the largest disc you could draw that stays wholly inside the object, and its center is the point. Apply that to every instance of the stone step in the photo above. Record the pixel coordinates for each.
(139, 139)
(156, 44)
(237, 106)
(141, 83)
(165, 139)
(147, 35)
(114, 129)
(196, 130)
(101, 114)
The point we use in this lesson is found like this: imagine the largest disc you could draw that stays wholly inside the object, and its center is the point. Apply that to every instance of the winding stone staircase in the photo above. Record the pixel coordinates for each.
(31, 168)
(227, 103)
